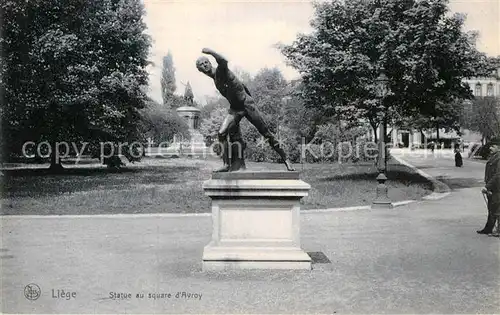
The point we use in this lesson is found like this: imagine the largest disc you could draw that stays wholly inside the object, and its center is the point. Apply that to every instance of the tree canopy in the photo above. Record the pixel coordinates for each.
(167, 80)
(161, 123)
(482, 115)
(72, 70)
(420, 47)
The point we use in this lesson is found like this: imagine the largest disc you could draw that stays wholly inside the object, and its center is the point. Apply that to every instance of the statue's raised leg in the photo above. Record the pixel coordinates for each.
(256, 119)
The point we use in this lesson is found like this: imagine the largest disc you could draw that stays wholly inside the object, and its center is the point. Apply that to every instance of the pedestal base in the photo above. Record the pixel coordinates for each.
(216, 258)
(256, 221)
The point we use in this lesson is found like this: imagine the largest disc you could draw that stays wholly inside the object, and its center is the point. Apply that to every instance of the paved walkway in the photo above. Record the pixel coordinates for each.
(420, 258)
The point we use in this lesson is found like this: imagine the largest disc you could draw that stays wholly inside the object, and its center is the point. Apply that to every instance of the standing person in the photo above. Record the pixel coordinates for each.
(458, 158)
(241, 105)
(492, 187)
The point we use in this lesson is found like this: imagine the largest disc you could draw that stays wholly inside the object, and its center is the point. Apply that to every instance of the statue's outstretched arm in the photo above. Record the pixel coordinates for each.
(219, 58)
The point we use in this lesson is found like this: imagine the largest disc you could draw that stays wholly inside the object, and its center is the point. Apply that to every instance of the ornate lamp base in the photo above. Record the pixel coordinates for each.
(382, 200)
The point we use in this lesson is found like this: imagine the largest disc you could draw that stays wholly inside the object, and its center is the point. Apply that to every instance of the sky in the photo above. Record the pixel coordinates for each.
(245, 32)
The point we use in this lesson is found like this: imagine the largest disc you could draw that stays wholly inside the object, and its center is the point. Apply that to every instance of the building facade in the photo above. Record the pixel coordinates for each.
(485, 86)
(480, 87)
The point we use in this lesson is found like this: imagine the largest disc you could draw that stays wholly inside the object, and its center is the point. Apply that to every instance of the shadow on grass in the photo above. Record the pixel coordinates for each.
(400, 176)
(460, 183)
(33, 172)
(177, 187)
(423, 167)
(44, 182)
(30, 172)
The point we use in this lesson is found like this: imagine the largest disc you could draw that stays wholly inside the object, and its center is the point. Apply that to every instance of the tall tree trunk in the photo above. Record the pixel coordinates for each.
(374, 127)
(55, 161)
(437, 132)
(386, 134)
(385, 140)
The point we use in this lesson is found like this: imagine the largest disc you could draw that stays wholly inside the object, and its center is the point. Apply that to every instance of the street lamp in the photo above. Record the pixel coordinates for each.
(382, 200)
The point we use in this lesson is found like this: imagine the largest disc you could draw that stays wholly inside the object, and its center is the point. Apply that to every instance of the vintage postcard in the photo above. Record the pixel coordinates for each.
(250, 157)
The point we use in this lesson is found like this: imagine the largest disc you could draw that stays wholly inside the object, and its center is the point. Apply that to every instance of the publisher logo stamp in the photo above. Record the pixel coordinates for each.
(32, 292)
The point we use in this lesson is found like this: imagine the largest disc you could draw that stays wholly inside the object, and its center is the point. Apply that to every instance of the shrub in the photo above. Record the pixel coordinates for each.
(162, 123)
(259, 150)
(209, 126)
(342, 152)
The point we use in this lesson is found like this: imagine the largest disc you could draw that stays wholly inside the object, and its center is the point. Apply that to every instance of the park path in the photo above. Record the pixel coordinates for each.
(465, 183)
(441, 164)
(424, 257)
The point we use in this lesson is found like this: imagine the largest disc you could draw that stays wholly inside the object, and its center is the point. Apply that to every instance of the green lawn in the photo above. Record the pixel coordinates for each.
(175, 186)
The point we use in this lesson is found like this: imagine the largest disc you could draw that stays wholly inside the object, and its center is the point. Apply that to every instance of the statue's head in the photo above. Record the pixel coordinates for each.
(204, 65)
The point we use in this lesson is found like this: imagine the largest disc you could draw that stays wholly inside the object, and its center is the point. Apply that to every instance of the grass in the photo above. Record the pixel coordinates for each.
(175, 186)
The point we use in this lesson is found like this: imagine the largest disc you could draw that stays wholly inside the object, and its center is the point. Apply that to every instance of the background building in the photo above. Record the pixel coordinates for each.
(480, 87)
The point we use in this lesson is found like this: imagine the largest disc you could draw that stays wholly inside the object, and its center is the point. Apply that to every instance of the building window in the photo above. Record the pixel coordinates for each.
(489, 89)
(478, 90)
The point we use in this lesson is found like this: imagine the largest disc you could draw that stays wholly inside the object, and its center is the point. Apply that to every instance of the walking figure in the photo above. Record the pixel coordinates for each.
(458, 158)
(492, 190)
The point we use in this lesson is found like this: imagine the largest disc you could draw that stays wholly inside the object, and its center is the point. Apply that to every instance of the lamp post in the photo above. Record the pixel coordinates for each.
(382, 200)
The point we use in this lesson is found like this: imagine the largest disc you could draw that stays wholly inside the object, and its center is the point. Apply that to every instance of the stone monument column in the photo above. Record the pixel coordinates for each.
(196, 147)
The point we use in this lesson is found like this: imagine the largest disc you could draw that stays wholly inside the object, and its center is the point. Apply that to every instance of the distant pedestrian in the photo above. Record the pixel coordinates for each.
(492, 189)
(458, 158)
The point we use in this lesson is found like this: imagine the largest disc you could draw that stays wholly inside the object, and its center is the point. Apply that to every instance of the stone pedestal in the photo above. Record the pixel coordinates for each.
(256, 221)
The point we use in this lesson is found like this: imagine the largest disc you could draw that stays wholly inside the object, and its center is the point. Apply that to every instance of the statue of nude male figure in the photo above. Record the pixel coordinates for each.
(241, 105)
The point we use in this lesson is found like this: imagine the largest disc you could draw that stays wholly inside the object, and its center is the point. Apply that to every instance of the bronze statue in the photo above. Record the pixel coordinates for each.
(241, 105)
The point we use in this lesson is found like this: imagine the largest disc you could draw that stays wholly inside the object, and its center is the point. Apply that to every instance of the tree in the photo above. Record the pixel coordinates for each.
(269, 88)
(188, 93)
(448, 117)
(490, 67)
(72, 71)
(422, 50)
(168, 86)
(300, 119)
(244, 76)
(482, 116)
(161, 124)
(211, 125)
(212, 102)
(176, 101)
